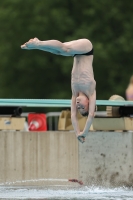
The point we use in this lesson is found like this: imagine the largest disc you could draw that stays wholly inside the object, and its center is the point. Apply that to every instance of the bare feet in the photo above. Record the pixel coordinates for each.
(31, 44)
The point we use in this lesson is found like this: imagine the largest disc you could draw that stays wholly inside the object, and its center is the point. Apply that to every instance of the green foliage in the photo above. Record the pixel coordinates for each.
(38, 74)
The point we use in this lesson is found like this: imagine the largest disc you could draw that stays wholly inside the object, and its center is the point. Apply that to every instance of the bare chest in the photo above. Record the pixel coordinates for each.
(85, 87)
(82, 77)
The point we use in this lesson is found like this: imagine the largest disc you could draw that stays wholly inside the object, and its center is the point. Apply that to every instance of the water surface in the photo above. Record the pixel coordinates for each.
(77, 193)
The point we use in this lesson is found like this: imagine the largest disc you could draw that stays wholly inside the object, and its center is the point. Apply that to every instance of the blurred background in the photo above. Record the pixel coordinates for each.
(41, 75)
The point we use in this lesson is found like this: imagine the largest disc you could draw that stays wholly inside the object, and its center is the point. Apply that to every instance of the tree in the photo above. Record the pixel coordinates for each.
(37, 74)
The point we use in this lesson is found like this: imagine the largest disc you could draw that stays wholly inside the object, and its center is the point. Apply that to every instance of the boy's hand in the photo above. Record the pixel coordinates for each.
(82, 134)
(81, 137)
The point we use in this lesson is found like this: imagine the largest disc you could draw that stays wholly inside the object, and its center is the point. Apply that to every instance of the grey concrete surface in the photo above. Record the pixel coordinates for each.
(35, 158)
(106, 158)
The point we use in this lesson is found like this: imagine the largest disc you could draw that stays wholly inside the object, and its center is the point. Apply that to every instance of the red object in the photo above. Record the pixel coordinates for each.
(37, 122)
(76, 181)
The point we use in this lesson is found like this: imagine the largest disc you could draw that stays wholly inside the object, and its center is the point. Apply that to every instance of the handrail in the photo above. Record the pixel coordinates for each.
(57, 102)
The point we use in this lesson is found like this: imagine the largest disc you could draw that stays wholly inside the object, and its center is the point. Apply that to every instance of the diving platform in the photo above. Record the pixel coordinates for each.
(58, 103)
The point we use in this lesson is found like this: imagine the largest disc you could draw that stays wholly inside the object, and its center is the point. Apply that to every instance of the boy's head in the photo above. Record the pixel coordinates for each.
(82, 104)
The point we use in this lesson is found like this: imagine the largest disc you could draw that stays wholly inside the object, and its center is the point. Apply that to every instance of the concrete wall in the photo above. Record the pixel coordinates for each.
(37, 155)
(106, 158)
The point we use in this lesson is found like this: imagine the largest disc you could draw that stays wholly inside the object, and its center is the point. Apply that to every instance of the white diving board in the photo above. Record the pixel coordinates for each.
(57, 103)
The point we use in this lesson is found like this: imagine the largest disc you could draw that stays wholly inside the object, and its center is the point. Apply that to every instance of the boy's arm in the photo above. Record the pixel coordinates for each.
(74, 116)
(92, 103)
